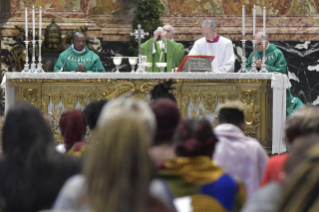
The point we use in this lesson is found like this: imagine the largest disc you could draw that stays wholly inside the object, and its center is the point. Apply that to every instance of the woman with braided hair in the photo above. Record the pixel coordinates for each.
(193, 177)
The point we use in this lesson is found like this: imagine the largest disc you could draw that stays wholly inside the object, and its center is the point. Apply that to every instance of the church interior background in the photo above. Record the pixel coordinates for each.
(292, 26)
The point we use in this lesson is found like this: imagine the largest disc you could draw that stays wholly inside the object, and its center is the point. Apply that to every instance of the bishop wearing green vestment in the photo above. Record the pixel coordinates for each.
(165, 50)
(276, 62)
(78, 58)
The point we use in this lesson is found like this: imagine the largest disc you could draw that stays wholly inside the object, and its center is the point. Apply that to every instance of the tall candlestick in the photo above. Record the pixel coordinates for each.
(243, 22)
(33, 24)
(264, 22)
(254, 21)
(26, 24)
(40, 22)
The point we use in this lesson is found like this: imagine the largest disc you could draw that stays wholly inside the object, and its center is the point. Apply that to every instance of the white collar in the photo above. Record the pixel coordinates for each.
(78, 51)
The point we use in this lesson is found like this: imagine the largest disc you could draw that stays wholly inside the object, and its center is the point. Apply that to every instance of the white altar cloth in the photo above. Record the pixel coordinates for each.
(279, 84)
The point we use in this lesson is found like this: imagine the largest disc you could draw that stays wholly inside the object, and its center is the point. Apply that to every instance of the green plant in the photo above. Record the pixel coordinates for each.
(148, 14)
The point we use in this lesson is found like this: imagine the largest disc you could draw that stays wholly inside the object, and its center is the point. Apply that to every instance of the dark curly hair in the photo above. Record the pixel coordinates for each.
(195, 138)
(163, 90)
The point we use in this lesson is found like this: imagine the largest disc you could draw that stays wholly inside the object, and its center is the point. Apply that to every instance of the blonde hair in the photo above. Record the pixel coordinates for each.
(119, 168)
(303, 121)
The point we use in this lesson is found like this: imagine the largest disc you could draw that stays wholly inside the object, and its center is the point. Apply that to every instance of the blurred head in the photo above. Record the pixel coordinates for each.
(163, 90)
(259, 41)
(170, 31)
(120, 165)
(79, 41)
(167, 117)
(26, 134)
(232, 112)
(73, 127)
(303, 121)
(209, 29)
(195, 138)
(92, 111)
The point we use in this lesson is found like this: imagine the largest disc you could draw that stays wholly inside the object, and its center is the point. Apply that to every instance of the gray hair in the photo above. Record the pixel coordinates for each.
(211, 22)
(261, 35)
(173, 30)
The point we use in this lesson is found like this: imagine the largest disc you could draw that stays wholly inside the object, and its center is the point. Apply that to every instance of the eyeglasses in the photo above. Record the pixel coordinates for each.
(206, 33)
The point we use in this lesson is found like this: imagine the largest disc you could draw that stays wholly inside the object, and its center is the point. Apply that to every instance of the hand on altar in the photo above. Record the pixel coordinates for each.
(80, 68)
(258, 63)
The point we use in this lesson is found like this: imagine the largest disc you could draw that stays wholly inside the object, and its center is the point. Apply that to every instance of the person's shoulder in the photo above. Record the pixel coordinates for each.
(225, 40)
(68, 161)
(66, 52)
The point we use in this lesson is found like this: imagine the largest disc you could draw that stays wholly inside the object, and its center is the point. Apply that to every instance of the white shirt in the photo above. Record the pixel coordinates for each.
(161, 44)
(222, 50)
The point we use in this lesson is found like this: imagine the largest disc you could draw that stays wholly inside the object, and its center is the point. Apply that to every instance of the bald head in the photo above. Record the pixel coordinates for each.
(259, 39)
(169, 31)
(79, 41)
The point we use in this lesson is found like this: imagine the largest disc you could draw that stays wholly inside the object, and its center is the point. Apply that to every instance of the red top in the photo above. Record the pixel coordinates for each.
(275, 169)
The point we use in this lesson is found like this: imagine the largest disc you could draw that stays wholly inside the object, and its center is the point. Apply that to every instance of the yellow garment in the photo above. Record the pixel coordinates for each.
(206, 203)
(196, 170)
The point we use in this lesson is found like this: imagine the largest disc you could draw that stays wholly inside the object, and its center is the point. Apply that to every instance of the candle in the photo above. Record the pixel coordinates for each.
(243, 21)
(264, 24)
(33, 24)
(40, 22)
(254, 21)
(26, 24)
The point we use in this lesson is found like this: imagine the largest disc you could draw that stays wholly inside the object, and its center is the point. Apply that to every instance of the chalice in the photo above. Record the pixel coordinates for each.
(161, 66)
(133, 62)
(117, 62)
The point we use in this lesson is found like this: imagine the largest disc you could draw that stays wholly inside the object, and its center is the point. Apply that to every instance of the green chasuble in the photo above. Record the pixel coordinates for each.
(175, 53)
(276, 62)
(89, 59)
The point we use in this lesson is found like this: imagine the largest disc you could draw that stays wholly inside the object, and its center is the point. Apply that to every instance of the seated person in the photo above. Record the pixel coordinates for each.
(195, 180)
(165, 50)
(276, 62)
(240, 156)
(78, 58)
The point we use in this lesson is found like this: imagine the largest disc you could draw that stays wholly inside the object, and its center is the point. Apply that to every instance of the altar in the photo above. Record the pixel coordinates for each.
(198, 96)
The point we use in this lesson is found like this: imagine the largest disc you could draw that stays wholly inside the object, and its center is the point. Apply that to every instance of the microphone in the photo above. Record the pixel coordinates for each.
(177, 57)
(65, 61)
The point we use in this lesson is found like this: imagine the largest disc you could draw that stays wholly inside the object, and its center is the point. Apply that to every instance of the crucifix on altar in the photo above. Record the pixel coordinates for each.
(139, 35)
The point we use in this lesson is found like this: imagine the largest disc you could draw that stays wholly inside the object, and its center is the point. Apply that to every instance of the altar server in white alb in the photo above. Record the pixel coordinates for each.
(215, 45)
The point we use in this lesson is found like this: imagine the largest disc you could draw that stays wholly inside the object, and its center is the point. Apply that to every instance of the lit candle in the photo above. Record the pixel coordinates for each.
(243, 21)
(26, 24)
(33, 24)
(254, 21)
(40, 22)
(264, 24)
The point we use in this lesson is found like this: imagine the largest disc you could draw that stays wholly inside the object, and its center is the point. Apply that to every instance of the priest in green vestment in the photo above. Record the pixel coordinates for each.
(78, 58)
(164, 50)
(276, 62)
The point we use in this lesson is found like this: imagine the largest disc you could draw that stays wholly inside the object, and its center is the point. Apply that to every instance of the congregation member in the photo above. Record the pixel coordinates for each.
(167, 118)
(302, 122)
(118, 172)
(276, 62)
(195, 180)
(270, 197)
(31, 171)
(163, 90)
(73, 130)
(240, 156)
(164, 50)
(78, 58)
(215, 45)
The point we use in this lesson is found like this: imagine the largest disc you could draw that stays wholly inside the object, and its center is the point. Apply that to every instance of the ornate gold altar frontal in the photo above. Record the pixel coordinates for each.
(197, 98)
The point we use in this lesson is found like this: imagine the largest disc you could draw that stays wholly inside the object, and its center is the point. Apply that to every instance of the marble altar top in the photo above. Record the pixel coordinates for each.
(277, 80)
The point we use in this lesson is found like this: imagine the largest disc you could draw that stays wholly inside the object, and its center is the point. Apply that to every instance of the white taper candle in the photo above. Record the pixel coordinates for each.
(33, 24)
(40, 23)
(243, 20)
(26, 24)
(264, 22)
(254, 21)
